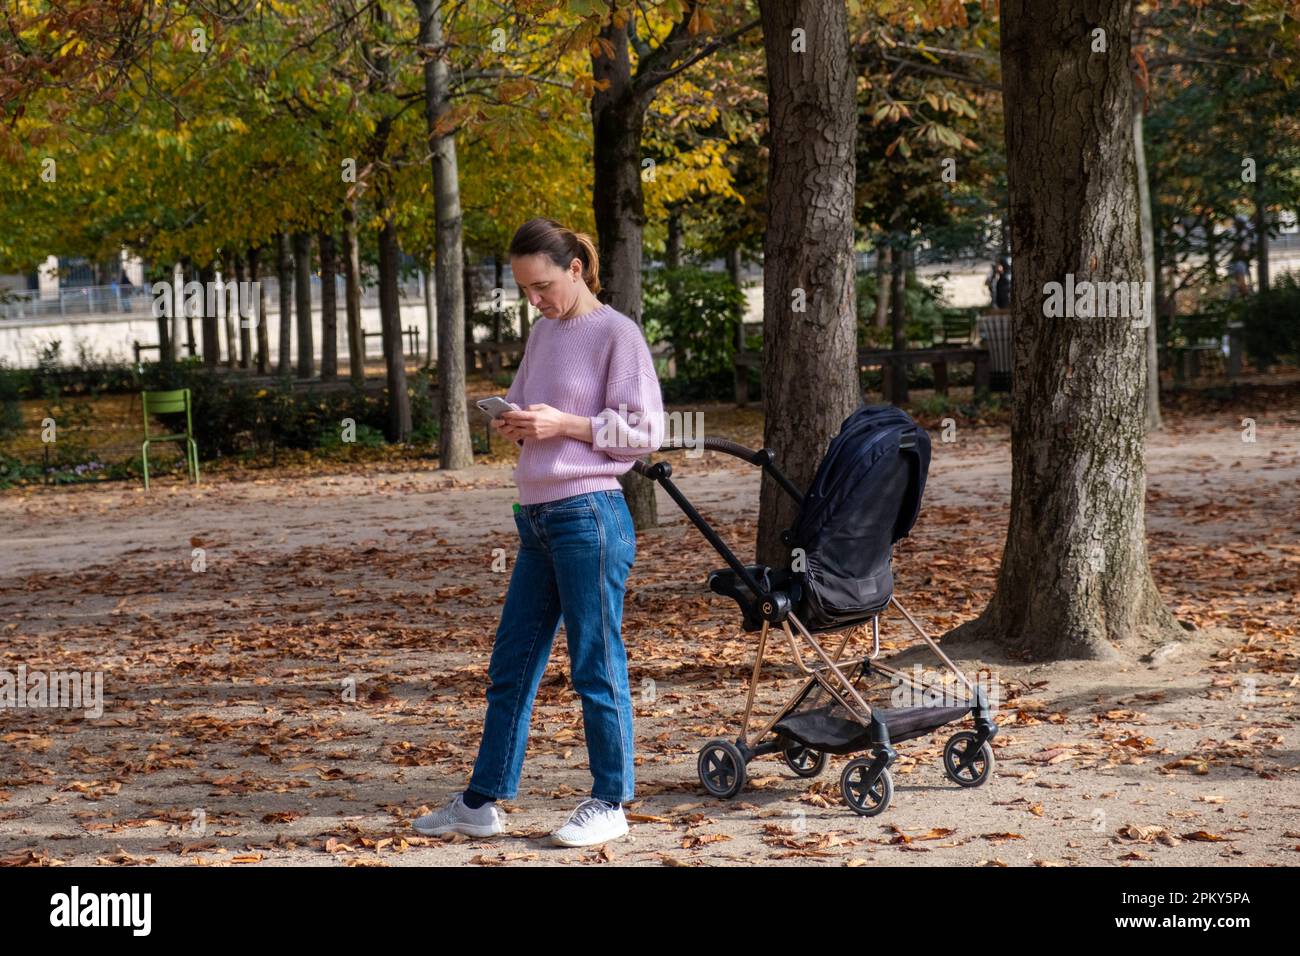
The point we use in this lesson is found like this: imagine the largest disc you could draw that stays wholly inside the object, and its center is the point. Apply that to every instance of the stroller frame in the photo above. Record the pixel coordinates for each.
(865, 783)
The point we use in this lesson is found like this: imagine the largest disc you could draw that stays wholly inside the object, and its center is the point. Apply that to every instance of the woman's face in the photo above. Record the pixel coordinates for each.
(550, 289)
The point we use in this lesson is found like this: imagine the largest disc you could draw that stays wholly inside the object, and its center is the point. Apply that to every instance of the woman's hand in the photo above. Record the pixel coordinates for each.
(541, 421)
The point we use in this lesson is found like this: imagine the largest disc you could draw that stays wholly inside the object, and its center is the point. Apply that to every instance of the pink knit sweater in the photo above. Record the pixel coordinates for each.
(597, 365)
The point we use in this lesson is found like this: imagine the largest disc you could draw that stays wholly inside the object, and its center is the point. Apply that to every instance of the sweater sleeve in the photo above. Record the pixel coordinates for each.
(632, 423)
(515, 394)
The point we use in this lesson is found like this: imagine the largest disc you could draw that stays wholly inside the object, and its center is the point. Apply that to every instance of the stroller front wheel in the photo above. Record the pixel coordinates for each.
(965, 765)
(867, 801)
(803, 761)
(722, 769)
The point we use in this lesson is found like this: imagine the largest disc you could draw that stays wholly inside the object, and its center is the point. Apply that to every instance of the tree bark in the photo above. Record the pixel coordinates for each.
(810, 379)
(329, 316)
(285, 368)
(1075, 580)
(302, 297)
(352, 293)
(454, 446)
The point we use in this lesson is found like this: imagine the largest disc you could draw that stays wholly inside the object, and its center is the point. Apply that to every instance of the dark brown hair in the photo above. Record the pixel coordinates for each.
(561, 245)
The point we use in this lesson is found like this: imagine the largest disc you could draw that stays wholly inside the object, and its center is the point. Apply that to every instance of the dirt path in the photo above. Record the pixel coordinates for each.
(228, 736)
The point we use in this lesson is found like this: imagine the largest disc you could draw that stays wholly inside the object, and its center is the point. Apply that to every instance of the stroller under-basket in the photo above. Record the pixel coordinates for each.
(865, 496)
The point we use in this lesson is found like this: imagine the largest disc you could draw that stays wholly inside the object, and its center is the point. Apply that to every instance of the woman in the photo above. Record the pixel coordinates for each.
(591, 407)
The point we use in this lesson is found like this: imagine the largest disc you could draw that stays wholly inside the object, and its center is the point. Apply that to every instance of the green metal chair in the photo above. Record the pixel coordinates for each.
(161, 403)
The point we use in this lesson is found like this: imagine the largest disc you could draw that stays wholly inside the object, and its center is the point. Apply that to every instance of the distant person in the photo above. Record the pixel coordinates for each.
(992, 282)
(1002, 299)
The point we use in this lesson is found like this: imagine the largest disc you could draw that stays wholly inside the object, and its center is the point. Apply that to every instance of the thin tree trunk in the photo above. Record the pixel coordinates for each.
(673, 247)
(884, 269)
(329, 316)
(211, 330)
(740, 378)
(245, 332)
(1148, 264)
(1075, 580)
(263, 332)
(430, 316)
(352, 294)
(302, 296)
(1261, 234)
(232, 335)
(454, 447)
(399, 403)
(810, 379)
(285, 368)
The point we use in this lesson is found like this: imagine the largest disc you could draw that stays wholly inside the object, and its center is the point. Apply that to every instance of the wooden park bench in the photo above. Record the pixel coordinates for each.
(894, 366)
(491, 354)
(412, 334)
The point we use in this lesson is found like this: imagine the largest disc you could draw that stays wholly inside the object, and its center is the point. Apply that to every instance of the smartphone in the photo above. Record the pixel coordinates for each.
(494, 406)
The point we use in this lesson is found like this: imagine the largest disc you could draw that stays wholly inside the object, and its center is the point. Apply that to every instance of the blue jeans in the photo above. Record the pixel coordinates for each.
(574, 557)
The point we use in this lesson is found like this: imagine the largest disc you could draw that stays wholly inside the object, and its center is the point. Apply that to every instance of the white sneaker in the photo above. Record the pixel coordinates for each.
(455, 817)
(590, 823)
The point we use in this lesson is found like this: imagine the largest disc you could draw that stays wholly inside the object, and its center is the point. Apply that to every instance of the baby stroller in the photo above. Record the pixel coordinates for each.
(865, 496)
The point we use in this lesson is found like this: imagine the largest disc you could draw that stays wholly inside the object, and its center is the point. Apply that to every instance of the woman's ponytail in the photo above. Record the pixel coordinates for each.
(590, 261)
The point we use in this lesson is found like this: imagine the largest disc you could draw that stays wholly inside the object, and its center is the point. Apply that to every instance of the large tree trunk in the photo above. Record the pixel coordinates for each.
(352, 293)
(208, 324)
(329, 316)
(1148, 264)
(302, 297)
(617, 118)
(285, 367)
(1075, 580)
(810, 378)
(390, 320)
(263, 333)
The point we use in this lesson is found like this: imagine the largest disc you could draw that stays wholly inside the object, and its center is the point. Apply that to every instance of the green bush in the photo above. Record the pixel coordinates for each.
(697, 311)
(1270, 321)
(230, 415)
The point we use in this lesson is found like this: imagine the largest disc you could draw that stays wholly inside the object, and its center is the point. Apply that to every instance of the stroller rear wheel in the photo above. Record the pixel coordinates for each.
(868, 801)
(803, 761)
(722, 769)
(963, 763)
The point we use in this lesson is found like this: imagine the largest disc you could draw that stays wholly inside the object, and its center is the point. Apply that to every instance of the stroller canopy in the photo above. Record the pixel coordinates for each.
(865, 496)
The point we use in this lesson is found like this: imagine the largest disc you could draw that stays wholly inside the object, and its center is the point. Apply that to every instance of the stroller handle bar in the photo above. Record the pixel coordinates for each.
(763, 458)
(773, 606)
